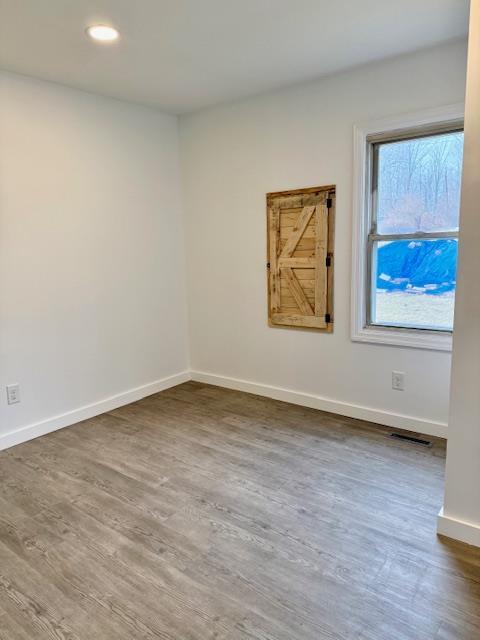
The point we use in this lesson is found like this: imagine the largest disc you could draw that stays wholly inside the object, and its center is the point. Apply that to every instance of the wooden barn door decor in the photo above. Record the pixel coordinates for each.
(300, 228)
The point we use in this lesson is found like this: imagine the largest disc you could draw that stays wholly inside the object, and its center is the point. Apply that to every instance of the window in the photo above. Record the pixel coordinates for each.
(412, 244)
(406, 241)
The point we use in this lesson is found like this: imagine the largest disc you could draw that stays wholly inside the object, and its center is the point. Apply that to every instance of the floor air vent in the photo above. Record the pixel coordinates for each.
(412, 439)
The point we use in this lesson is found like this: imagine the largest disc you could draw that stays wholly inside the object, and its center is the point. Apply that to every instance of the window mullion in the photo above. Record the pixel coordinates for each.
(428, 235)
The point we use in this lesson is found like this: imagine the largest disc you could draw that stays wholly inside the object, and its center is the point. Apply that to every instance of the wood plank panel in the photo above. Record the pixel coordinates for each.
(296, 262)
(305, 247)
(299, 239)
(274, 237)
(308, 287)
(321, 239)
(286, 232)
(297, 291)
(299, 320)
(297, 232)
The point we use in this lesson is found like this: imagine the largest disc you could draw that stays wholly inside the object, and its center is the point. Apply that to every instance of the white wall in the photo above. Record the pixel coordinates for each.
(91, 259)
(461, 514)
(231, 156)
(92, 295)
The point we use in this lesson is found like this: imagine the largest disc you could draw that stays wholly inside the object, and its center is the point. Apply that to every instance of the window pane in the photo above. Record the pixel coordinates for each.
(419, 184)
(413, 283)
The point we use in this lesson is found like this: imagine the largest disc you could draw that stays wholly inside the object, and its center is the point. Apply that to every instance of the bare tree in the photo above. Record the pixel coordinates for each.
(419, 184)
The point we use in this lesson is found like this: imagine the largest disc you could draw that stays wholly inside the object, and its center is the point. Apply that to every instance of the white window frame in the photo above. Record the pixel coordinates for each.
(360, 330)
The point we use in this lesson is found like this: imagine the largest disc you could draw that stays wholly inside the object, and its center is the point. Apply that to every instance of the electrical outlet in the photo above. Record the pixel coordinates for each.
(13, 393)
(398, 380)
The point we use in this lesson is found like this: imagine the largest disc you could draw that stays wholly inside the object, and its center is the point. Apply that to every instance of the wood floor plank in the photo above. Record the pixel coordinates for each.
(201, 513)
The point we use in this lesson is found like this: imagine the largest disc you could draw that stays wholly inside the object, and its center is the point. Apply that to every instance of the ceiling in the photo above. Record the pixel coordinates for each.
(182, 55)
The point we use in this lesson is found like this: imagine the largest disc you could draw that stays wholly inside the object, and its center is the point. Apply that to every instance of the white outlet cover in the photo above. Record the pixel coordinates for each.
(13, 393)
(398, 380)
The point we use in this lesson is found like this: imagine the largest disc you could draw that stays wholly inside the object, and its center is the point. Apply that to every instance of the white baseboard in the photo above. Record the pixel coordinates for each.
(89, 411)
(458, 529)
(395, 420)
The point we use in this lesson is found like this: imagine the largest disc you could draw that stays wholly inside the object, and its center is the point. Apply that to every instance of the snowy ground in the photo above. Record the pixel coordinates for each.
(415, 309)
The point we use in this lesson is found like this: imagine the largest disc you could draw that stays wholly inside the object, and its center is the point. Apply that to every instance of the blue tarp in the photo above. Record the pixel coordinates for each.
(426, 266)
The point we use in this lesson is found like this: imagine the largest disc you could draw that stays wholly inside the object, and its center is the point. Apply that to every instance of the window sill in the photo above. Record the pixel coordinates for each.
(414, 339)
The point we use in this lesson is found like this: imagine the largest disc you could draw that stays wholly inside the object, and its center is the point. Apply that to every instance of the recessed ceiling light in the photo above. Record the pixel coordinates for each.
(102, 33)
